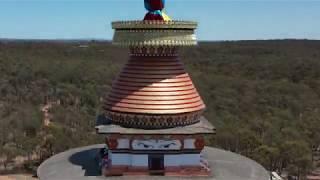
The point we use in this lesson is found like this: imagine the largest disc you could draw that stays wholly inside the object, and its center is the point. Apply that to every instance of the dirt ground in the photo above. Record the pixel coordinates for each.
(17, 177)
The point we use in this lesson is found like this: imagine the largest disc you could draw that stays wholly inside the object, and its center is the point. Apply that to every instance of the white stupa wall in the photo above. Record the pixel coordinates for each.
(121, 159)
(190, 159)
(182, 160)
(125, 159)
(189, 143)
(141, 160)
(123, 143)
(172, 160)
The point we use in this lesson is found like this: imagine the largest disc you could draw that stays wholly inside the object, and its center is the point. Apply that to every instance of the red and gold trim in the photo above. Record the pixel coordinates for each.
(153, 51)
(179, 171)
(153, 121)
(112, 143)
(199, 143)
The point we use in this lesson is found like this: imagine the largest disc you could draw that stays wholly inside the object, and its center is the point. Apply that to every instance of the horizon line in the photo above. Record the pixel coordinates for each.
(110, 40)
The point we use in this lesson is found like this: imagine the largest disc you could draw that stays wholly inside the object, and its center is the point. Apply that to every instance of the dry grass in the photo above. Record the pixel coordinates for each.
(17, 177)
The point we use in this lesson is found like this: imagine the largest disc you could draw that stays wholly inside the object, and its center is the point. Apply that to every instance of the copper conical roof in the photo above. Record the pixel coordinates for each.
(154, 92)
(154, 85)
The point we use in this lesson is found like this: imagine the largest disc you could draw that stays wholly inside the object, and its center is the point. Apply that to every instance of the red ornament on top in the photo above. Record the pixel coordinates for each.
(154, 5)
(155, 8)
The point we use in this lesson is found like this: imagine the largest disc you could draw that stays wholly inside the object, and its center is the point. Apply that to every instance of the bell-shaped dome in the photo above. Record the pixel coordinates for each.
(154, 92)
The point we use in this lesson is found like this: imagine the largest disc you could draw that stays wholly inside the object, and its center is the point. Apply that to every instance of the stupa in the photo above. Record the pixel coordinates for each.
(155, 111)
(153, 123)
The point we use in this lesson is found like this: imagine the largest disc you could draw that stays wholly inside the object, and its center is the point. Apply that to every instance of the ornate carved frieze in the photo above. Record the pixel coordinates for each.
(138, 24)
(156, 144)
(153, 51)
(154, 33)
(145, 121)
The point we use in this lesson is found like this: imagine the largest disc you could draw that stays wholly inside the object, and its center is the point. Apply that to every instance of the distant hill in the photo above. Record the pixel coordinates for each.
(6, 40)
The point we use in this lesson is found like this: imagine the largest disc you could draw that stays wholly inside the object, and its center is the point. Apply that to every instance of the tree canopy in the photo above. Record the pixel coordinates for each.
(262, 96)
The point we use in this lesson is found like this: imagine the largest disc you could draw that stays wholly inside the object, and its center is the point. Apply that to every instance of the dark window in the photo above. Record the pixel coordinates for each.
(156, 164)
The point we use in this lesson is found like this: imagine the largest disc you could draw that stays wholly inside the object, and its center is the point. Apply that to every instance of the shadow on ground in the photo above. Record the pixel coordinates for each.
(88, 160)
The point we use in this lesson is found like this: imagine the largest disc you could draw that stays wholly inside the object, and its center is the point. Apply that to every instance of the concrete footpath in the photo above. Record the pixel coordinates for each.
(80, 164)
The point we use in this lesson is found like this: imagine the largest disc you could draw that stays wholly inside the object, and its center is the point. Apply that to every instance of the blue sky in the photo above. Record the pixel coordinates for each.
(218, 20)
